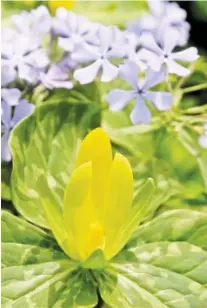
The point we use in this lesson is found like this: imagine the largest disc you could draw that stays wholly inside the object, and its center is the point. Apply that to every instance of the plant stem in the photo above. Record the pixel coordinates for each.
(196, 110)
(195, 88)
(169, 87)
(183, 79)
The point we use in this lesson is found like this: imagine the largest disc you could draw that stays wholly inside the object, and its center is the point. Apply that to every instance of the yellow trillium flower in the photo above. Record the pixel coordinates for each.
(97, 201)
(54, 5)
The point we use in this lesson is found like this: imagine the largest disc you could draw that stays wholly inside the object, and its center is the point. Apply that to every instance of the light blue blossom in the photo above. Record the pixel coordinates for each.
(171, 16)
(118, 98)
(157, 56)
(108, 48)
(133, 49)
(10, 116)
(67, 64)
(163, 15)
(36, 23)
(8, 74)
(74, 31)
(203, 138)
(11, 96)
(24, 55)
(7, 34)
(55, 78)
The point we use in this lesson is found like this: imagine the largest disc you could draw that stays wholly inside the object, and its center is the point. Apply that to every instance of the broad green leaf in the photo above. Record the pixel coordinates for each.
(36, 273)
(45, 144)
(143, 205)
(5, 181)
(80, 94)
(158, 151)
(164, 266)
(177, 225)
(140, 143)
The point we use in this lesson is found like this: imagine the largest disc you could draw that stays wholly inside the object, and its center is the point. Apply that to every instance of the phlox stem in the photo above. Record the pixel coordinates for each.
(194, 88)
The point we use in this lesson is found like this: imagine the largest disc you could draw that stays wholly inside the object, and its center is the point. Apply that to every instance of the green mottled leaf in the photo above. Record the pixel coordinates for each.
(45, 144)
(83, 94)
(36, 273)
(5, 181)
(140, 143)
(158, 151)
(163, 266)
(177, 225)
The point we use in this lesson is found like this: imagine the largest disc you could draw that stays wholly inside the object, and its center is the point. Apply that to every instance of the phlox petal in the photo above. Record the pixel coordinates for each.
(153, 78)
(187, 55)
(88, 74)
(177, 69)
(140, 112)
(129, 72)
(118, 99)
(5, 151)
(147, 40)
(161, 100)
(170, 39)
(110, 71)
(22, 110)
(11, 96)
(203, 141)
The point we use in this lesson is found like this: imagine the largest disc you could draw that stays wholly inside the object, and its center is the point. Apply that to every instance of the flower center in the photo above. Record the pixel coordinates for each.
(96, 238)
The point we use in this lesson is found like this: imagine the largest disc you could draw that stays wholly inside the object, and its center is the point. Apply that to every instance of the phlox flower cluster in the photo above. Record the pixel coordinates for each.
(87, 51)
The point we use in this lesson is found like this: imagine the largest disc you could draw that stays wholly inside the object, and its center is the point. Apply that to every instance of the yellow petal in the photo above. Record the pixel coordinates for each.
(118, 201)
(79, 212)
(96, 147)
(96, 238)
(55, 221)
(78, 187)
(53, 5)
(54, 217)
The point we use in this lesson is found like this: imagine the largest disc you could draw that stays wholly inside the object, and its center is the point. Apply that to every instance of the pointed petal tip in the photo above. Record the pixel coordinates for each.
(94, 147)
(78, 185)
(122, 160)
(97, 134)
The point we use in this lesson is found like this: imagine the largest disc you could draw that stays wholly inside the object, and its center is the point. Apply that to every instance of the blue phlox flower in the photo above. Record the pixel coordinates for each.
(10, 116)
(11, 96)
(8, 74)
(55, 78)
(74, 31)
(109, 47)
(7, 34)
(25, 56)
(170, 15)
(163, 15)
(37, 22)
(203, 138)
(133, 50)
(67, 64)
(118, 98)
(159, 55)
(146, 23)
